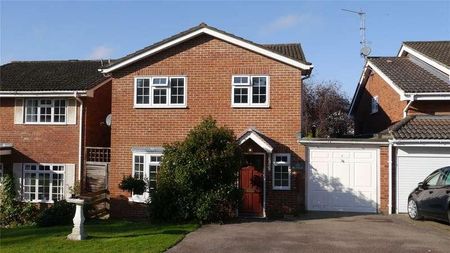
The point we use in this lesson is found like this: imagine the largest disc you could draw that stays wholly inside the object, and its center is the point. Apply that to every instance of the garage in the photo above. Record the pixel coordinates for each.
(342, 179)
(414, 164)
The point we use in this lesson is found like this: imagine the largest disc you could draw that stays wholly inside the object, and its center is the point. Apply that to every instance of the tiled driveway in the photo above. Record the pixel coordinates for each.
(321, 233)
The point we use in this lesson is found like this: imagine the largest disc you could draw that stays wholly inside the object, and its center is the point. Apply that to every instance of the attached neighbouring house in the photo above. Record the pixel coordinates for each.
(403, 104)
(161, 92)
(50, 112)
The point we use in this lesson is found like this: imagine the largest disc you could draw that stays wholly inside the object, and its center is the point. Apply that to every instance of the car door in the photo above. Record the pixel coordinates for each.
(441, 196)
(427, 196)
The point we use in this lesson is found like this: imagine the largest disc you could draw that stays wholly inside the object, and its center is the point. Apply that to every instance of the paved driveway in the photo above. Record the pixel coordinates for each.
(321, 233)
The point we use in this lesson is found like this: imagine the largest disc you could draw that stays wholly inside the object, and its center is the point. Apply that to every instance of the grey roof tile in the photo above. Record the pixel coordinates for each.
(422, 127)
(437, 50)
(409, 76)
(50, 75)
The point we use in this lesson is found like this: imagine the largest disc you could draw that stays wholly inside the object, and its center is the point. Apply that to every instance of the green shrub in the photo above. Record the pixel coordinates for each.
(60, 213)
(133, 185)
(197, 178)
(13, 212)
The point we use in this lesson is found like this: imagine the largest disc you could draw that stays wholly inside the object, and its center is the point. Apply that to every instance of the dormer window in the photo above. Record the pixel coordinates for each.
(374, 105)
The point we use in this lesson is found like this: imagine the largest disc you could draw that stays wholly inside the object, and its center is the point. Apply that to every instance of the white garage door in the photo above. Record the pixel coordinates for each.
(414, 164)
(342, 179)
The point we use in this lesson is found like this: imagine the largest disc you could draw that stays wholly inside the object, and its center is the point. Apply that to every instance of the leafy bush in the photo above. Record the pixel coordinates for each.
(134, 185)
(197, 178)
(60, 213)
(13, 212)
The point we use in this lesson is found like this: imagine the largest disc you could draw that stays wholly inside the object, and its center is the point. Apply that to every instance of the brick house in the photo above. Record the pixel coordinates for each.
(161, 92)
(401, 111)
(49, 112)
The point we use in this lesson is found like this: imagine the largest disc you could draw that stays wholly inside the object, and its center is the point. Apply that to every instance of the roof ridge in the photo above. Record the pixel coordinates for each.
(395, 127)
(425, 41)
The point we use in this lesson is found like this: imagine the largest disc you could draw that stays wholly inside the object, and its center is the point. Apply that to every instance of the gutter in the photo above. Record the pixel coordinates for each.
(342, 142)
(81, 93)
(80, 137)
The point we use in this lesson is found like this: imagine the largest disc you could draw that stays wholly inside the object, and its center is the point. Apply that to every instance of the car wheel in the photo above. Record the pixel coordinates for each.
(413, 211)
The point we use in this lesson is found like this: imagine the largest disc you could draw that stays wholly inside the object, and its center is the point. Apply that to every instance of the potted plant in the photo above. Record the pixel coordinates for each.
(75, 190)
(133, 185)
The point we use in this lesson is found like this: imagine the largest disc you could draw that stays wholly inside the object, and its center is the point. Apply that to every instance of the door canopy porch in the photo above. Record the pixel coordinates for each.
(257, 137)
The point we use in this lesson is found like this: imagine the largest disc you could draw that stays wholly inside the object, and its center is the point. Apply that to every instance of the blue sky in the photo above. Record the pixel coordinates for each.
(330, 37)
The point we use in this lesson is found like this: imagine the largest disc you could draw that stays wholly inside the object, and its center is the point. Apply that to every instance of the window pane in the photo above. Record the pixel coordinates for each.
(433, 181)
(259, 90)
(31, 110)
(160, 96)
(59, 111)
(240, 95)
(139, 167)
(177, 90)
(142, 91)
(57, 186)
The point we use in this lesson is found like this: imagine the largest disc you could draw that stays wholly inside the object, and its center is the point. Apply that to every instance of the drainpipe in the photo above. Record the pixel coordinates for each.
(405, 111)
(80, 137)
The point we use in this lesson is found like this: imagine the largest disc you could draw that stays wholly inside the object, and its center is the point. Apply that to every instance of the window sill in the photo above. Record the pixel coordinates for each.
(46, 123)
(281, 188)
(160, 106)
(250, 106)
(39, 201)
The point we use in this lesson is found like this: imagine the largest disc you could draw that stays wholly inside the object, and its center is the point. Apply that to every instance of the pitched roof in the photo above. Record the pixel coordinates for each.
(422, 127)
(409, 76)
(291, 51)
(436, 50)
(50, 75)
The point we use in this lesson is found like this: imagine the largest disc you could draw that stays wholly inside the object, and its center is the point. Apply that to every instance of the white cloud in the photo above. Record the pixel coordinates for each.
(286, 22)
(101, 52)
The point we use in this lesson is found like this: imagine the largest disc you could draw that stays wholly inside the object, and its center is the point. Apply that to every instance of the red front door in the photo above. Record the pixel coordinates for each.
(251, 182)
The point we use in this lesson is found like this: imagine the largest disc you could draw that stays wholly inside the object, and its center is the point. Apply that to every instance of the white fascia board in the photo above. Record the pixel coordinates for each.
(343, 142)
(42, 93)
(424, 58)
(258, 140)
(430, 96)
(361, 79)
(217, 35)
(388, 81)
(420, 143)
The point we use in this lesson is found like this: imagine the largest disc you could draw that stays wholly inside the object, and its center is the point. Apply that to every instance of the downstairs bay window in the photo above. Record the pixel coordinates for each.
(43, 182)
(146, 167)
(281, 172)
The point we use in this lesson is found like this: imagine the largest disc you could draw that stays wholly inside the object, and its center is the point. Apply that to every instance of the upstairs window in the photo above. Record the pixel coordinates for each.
(250, 91)
(45, 111)
(160, 92)
(281, 176)
(374, 105)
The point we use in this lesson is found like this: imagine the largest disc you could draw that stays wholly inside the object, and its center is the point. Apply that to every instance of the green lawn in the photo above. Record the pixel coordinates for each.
(104, 236)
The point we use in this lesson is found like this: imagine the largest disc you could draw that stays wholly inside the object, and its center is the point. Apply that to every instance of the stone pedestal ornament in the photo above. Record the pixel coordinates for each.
(78, 221)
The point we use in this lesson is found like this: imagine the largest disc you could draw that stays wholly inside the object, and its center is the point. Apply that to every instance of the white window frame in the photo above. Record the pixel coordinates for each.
(147, 162)
(51, 172)
(249, 87)
(374, 105)
(167, 86)
(274, 164)
(38, 122)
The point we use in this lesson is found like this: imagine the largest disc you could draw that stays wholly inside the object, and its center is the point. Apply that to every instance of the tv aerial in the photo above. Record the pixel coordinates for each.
(365, 49)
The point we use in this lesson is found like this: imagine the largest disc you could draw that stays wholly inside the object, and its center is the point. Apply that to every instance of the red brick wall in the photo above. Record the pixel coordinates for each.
(384, 180)
(38, 143)
(390, 108)
(208, 64)
(97, 133)
(429, 107)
